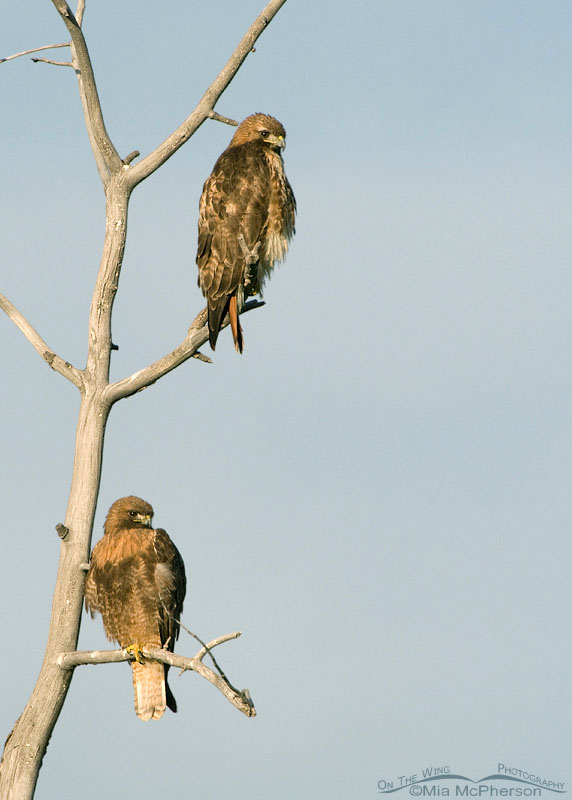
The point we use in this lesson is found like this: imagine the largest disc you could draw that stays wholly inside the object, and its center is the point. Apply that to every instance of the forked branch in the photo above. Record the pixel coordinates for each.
(197, 335)
(106, 156)
(206, 104)
(240, 699)
(56, 363)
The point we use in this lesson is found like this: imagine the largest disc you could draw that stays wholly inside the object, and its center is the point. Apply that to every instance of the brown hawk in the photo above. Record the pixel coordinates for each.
(136, 580)
(246, 218)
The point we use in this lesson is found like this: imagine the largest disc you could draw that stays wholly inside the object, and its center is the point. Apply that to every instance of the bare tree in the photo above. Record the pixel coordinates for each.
(28, 740)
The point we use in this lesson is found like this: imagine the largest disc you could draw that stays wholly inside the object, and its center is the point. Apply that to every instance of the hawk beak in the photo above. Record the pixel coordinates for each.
(144, 519)
(276, 141)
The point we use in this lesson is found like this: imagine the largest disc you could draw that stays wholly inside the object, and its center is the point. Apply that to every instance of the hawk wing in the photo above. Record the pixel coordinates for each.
(171, 585)
(234, 201)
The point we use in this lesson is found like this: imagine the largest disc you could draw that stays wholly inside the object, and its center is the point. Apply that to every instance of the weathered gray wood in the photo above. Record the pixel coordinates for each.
(27, 743)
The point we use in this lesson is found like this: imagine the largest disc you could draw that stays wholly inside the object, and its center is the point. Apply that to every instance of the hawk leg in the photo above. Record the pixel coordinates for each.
(136, 650)
(251, 258)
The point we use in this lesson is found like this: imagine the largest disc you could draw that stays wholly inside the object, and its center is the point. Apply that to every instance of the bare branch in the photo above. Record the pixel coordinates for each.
(80, 657)
(208, 101)
(56, 363)
(51, 61)
(206, 649)
(197, 335)
(202, 357)
(215, 643)
(131, 157)
(219, 118)
(239, 699)
(34, 50)
(106, 156)
(80, 11)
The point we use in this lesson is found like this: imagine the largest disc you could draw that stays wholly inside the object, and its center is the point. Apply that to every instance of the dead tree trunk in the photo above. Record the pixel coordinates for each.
(27, 743)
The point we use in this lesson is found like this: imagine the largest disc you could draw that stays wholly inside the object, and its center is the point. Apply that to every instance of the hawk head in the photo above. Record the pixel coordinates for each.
(129, 512)
(261, 128)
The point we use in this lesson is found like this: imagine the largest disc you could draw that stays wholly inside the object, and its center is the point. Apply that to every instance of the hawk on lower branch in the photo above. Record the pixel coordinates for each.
(136, 580)
(246, 218)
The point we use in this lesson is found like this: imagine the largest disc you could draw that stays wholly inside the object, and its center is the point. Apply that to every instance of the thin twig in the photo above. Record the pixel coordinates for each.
(206, 648)
(56, 363)
(34, 50)
(51, 61)
(202, 357)
(219, 118)
(131, 157)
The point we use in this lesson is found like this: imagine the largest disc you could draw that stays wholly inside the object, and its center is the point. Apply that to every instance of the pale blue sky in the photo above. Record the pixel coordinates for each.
(377, 493)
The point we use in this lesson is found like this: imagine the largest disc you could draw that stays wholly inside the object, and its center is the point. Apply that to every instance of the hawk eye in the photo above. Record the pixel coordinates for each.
(132, 513)
(264, 134)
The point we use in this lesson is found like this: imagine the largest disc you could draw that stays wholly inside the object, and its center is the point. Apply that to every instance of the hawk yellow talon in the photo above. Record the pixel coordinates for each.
(136, 652)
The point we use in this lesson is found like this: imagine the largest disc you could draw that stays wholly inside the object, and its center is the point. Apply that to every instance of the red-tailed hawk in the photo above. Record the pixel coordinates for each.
(246, 218)
(136, 580)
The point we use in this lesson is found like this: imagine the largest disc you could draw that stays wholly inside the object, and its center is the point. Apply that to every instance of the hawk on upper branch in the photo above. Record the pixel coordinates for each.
(246, 218)
(136, 580)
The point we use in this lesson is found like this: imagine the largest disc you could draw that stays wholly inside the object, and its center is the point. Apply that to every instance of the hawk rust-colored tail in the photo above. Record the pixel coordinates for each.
(234, 323)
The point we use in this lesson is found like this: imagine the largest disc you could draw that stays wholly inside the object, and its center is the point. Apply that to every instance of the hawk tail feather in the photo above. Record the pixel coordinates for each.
(149, 689)
(235, 323)
(217, 314)
(171, 702)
